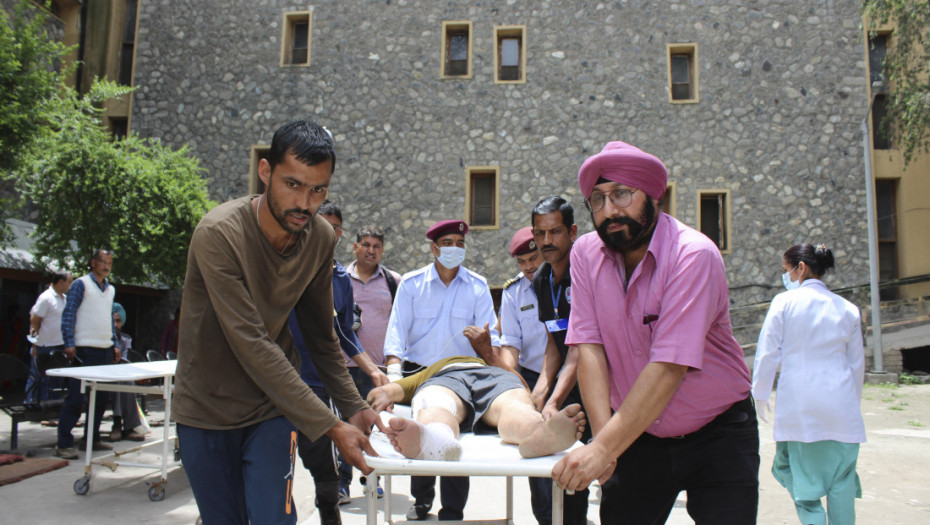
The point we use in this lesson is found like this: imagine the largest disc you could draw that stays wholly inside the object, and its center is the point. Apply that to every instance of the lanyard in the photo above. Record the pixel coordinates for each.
(556, 294)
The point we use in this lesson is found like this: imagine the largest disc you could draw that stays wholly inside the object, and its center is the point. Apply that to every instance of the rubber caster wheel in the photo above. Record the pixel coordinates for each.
(82, 486)
(156, 493)
(177, 454)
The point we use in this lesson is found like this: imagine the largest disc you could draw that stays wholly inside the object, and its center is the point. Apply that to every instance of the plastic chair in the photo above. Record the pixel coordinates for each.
(172, 356)
(154, 355)
(135, 357)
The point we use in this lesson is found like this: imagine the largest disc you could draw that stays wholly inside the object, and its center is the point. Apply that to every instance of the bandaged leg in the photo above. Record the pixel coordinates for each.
(432, 441)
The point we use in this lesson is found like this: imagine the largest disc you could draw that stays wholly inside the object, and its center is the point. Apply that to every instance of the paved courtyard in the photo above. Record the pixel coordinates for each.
(894, 467)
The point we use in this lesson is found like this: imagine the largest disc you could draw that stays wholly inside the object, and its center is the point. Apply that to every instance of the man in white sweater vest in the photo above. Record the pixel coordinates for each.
(89, 336)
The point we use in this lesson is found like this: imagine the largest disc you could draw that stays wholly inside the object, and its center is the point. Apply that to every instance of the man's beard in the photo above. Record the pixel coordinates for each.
(639, 232)
(281, 217)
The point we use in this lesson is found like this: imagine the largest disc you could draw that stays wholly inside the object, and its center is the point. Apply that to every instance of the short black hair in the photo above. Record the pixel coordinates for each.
(330, 208)
(59, 276)
(311, 143)
(551, 204)
(369, 230)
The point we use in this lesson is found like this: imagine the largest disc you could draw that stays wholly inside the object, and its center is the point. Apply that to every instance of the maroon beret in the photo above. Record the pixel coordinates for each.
(522, 242)
(445, 228)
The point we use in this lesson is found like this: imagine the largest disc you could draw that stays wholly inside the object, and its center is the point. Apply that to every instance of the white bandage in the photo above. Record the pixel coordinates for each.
(430, 397)
(393, 372)
(438, 443)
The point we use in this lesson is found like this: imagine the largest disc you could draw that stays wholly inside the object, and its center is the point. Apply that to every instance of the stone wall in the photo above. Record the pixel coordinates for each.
(782, 95)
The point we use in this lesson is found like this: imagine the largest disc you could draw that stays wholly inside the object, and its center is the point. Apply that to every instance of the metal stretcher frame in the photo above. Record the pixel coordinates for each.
(482, 455)
(107, 378)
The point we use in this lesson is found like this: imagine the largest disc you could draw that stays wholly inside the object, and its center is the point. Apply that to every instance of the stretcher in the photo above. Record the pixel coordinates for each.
(482, 455)
(108, 378)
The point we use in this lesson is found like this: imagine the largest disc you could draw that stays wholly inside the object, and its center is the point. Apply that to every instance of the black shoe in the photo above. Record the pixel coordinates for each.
(418, 512)
(451, 515)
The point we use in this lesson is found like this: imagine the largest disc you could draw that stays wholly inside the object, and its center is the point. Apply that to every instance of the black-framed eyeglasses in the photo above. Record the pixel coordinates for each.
(619, 197)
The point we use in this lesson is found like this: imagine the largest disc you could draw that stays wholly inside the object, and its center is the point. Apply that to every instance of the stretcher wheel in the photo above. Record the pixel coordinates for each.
(156, 492)
(82, 486)
(177, 454)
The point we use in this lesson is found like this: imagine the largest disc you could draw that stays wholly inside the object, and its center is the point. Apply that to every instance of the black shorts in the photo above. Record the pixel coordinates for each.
(477, 388)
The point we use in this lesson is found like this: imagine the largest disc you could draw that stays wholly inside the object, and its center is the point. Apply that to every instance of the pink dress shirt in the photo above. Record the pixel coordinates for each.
(674, 310)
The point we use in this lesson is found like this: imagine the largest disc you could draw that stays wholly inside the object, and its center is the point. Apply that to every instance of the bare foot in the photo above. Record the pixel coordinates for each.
(555, 434)
(406, 436)
(434, 441)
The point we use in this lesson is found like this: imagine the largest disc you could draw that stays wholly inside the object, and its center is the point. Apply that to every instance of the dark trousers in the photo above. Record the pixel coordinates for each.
(321, 458)
(454, 489)
(242, 476)
(364, 385)
(717, 465)
(74, 402)
(540, 488)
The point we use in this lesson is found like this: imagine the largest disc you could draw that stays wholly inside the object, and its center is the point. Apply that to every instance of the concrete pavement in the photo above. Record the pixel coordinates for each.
(894, 467)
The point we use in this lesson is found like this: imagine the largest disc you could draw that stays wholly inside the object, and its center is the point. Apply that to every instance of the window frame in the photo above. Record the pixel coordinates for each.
(670, 198)
(470, 172)
(690, 49)
(509, 31)
(449, 26)
(256, 152)
(290, 19)
(727, 223)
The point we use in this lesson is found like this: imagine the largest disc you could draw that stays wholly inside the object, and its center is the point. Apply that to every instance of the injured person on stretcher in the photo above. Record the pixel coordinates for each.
(464, 394)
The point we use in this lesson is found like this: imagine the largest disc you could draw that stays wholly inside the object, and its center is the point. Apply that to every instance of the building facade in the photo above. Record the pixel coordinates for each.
(477, 110)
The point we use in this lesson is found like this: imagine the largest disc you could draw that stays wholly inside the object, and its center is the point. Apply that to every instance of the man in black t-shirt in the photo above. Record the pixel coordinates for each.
(554, 230)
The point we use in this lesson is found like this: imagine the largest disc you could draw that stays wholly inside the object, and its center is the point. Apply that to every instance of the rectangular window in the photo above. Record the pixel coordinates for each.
(510, 54)
(295, 38)
(129, 44)
(481, 197)
(886, 226)
(258, 152)
(119, 127)
(881, 135)
(682, 73)
(456, 50)
(714, 217)
(878, 48)
(667, 202)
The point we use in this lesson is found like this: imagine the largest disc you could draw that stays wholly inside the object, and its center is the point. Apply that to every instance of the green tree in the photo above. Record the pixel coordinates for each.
(907, 70)
(132, 195)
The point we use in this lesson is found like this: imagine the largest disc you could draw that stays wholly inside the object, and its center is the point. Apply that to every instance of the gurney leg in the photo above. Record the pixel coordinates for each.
(371, 498)
(509, 500)
(388, 518)
(558, 503)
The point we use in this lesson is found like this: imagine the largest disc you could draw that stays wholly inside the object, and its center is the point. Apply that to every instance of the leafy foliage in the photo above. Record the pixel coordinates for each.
(132, 195)
(907, 70)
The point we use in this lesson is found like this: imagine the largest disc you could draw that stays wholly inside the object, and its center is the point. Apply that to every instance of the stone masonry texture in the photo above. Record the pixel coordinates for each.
(782, 87)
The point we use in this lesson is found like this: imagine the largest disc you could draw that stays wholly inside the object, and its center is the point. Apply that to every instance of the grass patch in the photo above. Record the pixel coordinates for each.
(915, 423)
(896, 407)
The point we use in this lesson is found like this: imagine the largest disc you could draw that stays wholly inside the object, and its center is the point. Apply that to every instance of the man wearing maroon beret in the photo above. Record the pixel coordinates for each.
(432, 310)
(523, 341)
(665, 384)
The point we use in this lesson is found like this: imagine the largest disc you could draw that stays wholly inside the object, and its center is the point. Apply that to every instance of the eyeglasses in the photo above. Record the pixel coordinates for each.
(337, 229)
(619, 197)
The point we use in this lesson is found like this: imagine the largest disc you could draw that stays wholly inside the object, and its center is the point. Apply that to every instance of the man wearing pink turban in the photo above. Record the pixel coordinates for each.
(665, 384)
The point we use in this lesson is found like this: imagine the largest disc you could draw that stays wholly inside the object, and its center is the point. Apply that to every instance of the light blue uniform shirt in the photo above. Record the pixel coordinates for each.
(428, 318)
(520, 324)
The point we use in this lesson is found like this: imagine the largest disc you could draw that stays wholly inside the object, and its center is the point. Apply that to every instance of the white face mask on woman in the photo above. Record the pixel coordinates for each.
(789, 284)
(451, 256)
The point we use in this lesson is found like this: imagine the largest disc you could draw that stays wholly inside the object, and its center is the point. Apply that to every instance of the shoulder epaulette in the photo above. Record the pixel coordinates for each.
(511, 282)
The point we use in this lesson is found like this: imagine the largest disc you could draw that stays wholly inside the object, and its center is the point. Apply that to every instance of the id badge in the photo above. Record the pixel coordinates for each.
(557, 325)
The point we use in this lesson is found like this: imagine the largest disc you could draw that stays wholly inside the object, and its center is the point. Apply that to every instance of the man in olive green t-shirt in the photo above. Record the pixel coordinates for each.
(238, 394)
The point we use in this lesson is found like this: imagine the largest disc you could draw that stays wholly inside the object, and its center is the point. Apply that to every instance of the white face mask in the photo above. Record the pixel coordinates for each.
(451, 256)
(789, 284)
